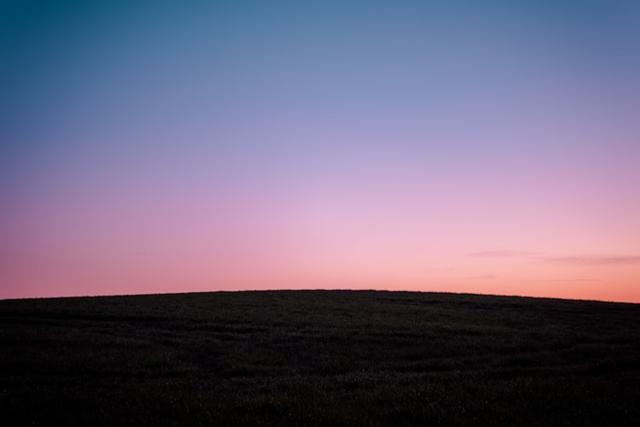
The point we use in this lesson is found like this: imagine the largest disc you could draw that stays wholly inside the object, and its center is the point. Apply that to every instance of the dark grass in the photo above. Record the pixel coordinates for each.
(318, 358)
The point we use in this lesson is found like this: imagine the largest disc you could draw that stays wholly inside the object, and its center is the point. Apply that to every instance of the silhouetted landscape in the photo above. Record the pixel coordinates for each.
(318, 358)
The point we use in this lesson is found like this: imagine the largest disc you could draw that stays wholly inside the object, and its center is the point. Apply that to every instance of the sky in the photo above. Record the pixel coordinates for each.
(454, 146)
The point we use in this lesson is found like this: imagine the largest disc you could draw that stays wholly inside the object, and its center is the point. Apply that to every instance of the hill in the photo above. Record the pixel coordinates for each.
(318, 358)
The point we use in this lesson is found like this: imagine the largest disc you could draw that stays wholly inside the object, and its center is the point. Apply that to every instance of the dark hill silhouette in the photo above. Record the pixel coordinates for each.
(318, 358)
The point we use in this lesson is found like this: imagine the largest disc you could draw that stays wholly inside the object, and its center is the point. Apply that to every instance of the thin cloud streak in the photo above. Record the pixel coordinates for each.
(504, 254)
(579, 259)
(595, 260)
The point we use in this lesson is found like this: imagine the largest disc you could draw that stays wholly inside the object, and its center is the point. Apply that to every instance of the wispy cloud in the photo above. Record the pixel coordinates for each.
(589, 260)
(504, 254)
(577, 259)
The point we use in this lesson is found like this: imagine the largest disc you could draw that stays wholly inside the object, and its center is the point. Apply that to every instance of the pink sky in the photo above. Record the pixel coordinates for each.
(492, 148)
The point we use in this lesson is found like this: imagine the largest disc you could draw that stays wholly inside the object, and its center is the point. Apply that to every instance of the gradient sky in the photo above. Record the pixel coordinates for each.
(464, 146)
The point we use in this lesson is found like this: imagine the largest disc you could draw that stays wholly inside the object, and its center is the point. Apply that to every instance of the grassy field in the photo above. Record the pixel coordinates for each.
(318, 358)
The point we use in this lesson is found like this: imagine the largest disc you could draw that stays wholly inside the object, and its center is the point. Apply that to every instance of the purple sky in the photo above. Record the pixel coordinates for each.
(437, 146)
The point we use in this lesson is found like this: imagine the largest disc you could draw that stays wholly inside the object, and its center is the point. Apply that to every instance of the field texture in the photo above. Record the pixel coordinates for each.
(318, 358)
